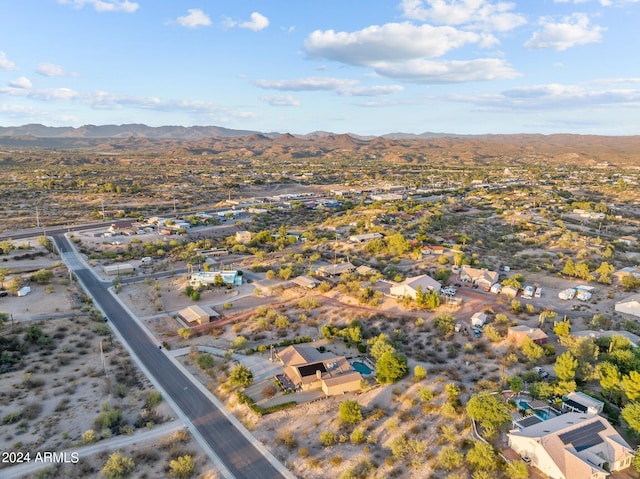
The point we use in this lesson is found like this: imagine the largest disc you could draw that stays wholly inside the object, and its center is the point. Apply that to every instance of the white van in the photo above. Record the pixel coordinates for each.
(146, 259)
(538, 292)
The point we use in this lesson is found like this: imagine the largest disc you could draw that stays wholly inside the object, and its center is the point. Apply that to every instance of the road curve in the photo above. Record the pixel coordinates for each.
(238, 454)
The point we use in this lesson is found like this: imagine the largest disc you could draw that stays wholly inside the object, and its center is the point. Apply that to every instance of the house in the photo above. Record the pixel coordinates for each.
(634, 339)
(305, 282)
(428, 249)
(631, 305)
(628, 240)
(580, 402)
(204, 278)
(409, 287)
(365, 237)
(364, 270)
(482, 277)
(478, 320)
(629, 270)
(309, 369)
(336, 269)
(197, 315)
(509, 291)
(118, 269)
(243, 237)
(121, 226)
(573, 446)
(517, 334)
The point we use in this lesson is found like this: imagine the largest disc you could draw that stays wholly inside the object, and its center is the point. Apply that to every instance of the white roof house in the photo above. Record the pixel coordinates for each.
(481, 277)
(573, 446)
(581, 402)
(478, 320)
(631, 305)
(409, 287)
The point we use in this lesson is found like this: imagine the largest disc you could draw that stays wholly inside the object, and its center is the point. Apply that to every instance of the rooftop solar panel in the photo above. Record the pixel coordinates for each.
(310, 369)
(584, 437)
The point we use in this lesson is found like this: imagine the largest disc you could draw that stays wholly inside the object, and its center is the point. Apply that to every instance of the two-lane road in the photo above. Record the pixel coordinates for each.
(237, 452)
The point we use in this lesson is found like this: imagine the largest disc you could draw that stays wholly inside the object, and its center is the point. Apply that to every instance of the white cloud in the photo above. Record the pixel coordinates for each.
(477, 14)
(256, 23)
(441, 72)
(195, 18)
(341, 86)
(281, 100)
(604, 3)
(51, 70)
(104, 5)
(555, 96)
(21, 82)
(572, 31)
(307, 84)
(389, 42)
(6, 64)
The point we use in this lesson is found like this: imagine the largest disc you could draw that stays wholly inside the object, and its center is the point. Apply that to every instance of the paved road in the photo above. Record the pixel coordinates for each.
(238, 453)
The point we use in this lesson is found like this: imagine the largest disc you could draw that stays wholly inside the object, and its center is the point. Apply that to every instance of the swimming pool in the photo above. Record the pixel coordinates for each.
(361, 368)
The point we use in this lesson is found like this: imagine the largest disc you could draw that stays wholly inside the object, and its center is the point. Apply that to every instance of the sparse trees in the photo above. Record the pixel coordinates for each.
(631, 385)
(241, 376)
(380, 345)
(118, 466)
(532, 351)
(350, 412)
(488, 410)
(482, 456)
(182, 467)
(631, 414)
(391, 367)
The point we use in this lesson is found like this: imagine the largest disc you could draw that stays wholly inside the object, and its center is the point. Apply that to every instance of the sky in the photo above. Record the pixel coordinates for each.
(344, 66)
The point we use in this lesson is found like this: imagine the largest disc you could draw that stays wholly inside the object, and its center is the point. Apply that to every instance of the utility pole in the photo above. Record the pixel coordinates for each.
(37, 218)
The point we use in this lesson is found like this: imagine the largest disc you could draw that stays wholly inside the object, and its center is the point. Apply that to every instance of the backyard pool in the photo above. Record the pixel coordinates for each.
(362, 368)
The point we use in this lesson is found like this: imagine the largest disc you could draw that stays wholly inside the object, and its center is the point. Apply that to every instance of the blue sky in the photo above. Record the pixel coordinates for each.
(359, 66)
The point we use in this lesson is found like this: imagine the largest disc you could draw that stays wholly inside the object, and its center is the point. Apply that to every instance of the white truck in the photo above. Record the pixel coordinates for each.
(567, 294)
(25, 290)
(528, 292)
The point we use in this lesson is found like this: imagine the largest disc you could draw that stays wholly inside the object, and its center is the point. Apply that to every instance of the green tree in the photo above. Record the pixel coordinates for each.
(328, 438)
(445, 324)
(391, 367)
(532, 351)
(631, 414)
(631, 385)
(562, 328)
(380, 345)
(630, 282)
(419, 372)
(184, 333)
(569, 268)
(565, 366)
(118, 466)
(604, 272)
(488, 410)
(582, 272)
(396, 244)
(7, 246)
(610, 378)
(482, 456)
(241, 376)
(636, 460)
(350, 412)
(239, 342)
(42, 276)
(517, 470)
(205, 361)
(182, 467)
(516, 384)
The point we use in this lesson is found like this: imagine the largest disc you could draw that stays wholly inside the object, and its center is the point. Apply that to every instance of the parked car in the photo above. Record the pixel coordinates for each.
(477, 333)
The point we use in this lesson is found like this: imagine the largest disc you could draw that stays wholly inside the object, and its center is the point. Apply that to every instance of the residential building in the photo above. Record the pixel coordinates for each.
(573, 446)
(581, 402)
(588, 333)
(432, 250)
(518, 334)
(478, 320)
(243, 236)
(630, 305)
(365, 237)
(482, 277)
(195, 314)
(409, 287)
(336, 269)
(309, 369)
(229, 277)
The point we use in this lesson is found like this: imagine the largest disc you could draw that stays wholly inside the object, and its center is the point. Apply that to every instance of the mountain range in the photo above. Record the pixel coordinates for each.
(179, 141)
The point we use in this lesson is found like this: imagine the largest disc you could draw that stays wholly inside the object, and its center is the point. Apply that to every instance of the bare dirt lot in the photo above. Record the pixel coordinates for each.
(66, 382)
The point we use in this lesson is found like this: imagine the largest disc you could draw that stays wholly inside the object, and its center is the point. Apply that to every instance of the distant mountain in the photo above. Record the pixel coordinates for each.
(125, 131)
(399, 148)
